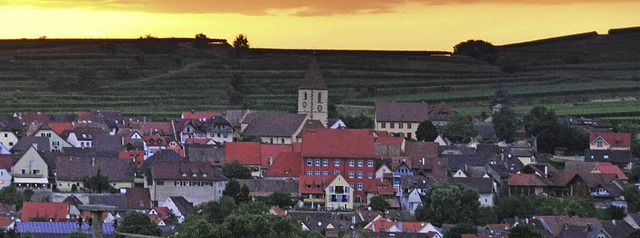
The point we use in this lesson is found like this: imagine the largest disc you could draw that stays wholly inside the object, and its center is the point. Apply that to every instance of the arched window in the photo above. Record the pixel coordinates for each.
(305, 95)
(320, 97)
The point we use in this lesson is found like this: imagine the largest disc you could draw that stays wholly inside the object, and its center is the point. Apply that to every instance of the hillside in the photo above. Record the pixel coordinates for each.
(567, 73)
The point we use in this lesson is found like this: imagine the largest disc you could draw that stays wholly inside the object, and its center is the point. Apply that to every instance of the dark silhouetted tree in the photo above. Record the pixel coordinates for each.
(201, 41)
(478, 49)
(524, 230)
(501, 96)
(98, 183)
(460, 129)
(280, 199)
(459, 229)
(241, 44)
(505, 124)
(426, 131)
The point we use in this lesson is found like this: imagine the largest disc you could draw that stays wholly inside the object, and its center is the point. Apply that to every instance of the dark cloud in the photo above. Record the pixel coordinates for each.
(263, 7)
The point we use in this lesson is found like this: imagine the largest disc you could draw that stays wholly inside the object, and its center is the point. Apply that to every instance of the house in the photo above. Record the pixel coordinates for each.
(72, 170)
(274, 128)
(339, 194)
(54, 130)
(58, 229)
(400, 169)
(211, 125)
(25, 143)
(211, 153)
(258, 157)
(138, 199)
(348, 152)
(198, 115)
(154, 143)
(374, 187)
(571, 226)
(74, 203)
(8, 139)
(45, 211)
(622, 158)
(197, 182)
(484, 186)
(161, 215)
(179, 206)
(286, 165)
(386, 226)
(595, 167)
(609, 141)
(326, 222)
(313, 95)
(312, 190)
(31, 171)
(400, 117)
(441, 114)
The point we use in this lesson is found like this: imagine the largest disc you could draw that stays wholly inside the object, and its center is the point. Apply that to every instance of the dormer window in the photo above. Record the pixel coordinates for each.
(204, 174)
(184, 174)
(194, 174)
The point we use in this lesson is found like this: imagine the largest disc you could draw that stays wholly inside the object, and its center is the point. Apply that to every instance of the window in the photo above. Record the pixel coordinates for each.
(194, 174)
(331, 189)
(369, 163)
(599, 143)
(309, 162)
(351, 174)
(336, 172)
(360, 163)
(184, 174)
(309, 173)
(6, 135)
(55, 143)
(325, 173)
(351, 163)
(336, 162)
(316, 173)
(305, 95)
(409, 135)
(383, 125)
(370, 175)
(36, 171)
(392, 125)
(409, 125)
(224, 135)
(360, 174)
(359, 186)
(606, 156)
(271, 141)
(319, 97)
(282, 141)
(317, 162)
(325, 162)
(400, 125)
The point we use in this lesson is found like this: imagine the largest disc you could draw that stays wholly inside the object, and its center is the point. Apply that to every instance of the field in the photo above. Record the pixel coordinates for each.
(585, 75)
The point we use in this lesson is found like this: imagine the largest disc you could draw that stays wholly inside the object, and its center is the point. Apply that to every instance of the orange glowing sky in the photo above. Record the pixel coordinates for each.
(319, 24)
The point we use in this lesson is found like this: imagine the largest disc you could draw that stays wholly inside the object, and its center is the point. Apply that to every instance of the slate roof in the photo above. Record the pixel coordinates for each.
(186, 171)
(273, 124)
(331, 143)
(486, 131)
(442, 112)
(611, 156)
(402, 112)
(117, 200)
(235, 116)
(264, 187)
(107, 143)
(459, 161)
(313, 78)
(138, 199)
(51, 229)
(618, 228)
(211, 153)
(318, 221)
(71, 168)
(184, 206)
(89, 152)
(483, 185)
(408, 182)
(163, 156)
(555, 224)
(48, 210)
(286, 164)
(579, 166)
(25, 142)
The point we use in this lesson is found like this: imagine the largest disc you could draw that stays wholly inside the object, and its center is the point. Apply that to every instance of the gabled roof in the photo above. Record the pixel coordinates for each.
(155, 140)
(314, 184)
(286, 164)
(616, 140)
(442, 112)
(76, 168)
(532, 180)
(58, 127)
(375, 186)
(149, 127)
(26, 142)
(608, 168)
(184, 206)
(72, 200)
(235, 116)
(201, 152)
(197, 170)
(163, 156)
(424, 149)
(138, 199)
(107, 143)
(555, 224)
(611, 156)
(579, 166)
(193, 115)
(346, 143)
(313, 78)
(273, 124)
(415, 112)
(117, 200)
(247, 153)
(483, 185)
(47, 210)
(618, 228)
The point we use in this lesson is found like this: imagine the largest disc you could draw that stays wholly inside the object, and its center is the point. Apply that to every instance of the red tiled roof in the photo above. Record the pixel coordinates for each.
(138, 198)
(278, 211)
(86, 116)
(562, 178)
(330, 143)
(199, 115)
(424, 149)
(616, 140)
(247, 153)
(375, 186)
(133, 154)
(155, 140)
(286, 164)
(59, 127)
(526, 180)
(407, 227)
(385, 139)
(176, 170)
(47, 210)
(6, 162)
(268, 152)
(5, 221)
(199, 141)
(313, 181)
(608, 168)
(29, 117)
(146, 128)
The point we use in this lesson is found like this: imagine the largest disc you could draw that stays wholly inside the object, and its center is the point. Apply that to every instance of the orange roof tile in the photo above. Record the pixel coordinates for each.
(193, 115)
(616, 140)
(247, 153)
(57, 211)
(346, 143)
(286, 164)
(608, 168)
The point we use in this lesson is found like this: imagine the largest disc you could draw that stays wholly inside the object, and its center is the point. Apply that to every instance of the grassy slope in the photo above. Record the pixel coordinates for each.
(566, 75)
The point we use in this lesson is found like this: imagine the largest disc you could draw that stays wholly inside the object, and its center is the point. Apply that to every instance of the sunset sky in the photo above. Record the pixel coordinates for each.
(319, 24)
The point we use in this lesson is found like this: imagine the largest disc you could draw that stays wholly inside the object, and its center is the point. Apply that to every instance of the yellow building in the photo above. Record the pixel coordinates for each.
(339, 194)
(400, 117)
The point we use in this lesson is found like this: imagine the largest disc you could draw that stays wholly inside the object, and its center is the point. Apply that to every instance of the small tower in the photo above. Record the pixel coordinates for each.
(313, 94)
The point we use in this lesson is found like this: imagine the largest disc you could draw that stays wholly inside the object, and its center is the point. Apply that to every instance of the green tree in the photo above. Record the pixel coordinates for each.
(280, 199)
(241, 44)
(524, 231)
(579, 206)
(250, 138)
(139, 223)
(11, 195)
(359, 122)
(542, 123)
(632, 196)
(77, 234)
(98, 183)
(572, 138)
(501, 96)
(449, 204)
(633, 129)
(512, 206)
(477, 49)
(634, 175)
(239, 193)
(216, 212)
(544, 205)
(460, 129)
(426, 131)
(459, 229)
(486, 215)
(505, 124)
(236, 170)
(379, 203)
(195, 227)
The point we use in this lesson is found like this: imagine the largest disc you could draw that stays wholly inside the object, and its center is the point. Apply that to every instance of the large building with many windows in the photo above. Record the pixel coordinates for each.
(400, 117)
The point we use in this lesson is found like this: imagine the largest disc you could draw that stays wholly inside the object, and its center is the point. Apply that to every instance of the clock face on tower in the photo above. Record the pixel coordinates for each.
(304, 104)
(319, 108)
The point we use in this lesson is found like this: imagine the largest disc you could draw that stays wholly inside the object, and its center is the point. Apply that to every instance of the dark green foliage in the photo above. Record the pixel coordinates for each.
(449, 204)
(236, 170)
(426, 131)
(527, 206)
(239, 193)
(541, 123)
(524, 231)
(501, 96)
(505, 124)
(633, 129)
(379, 203)
(28, 194)
(280, 199)
(77, 234)
(486, 215)
(98, 183)
(250, 138)
(195, 227)
(613, 213)
(359, 122)
(236, 90)
(459, 229)
(253, 207)
(634, 175)
(477, 49)
(139, 223)
(460, 129)
(241, 45)
(632, 196)
(572, 138)
(216, 212)
(11, 195)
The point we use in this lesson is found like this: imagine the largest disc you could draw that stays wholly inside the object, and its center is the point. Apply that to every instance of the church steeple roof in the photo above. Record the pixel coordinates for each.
(313, 79)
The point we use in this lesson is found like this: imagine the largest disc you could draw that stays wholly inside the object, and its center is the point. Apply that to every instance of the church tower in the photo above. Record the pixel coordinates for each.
(313, 94)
